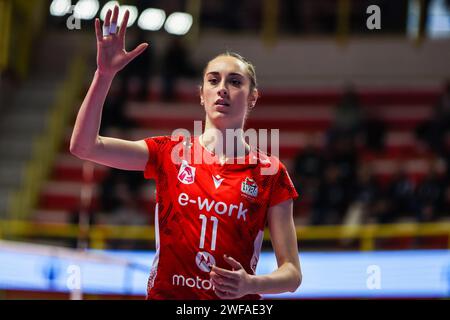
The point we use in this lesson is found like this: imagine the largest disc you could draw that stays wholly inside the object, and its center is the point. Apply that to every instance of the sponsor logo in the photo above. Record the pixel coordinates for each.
(217, 181)
(199, 283)
(186, 174)
(219, 208)
(249, 187)
(204, 261)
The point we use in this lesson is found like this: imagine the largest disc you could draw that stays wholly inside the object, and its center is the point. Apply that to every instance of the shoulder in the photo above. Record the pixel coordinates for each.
(269, 163)
(163, 141)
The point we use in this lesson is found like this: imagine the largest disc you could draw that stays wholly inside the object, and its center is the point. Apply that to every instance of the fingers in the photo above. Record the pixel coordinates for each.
(225, 273)
(223, 286)
(222, 294)
(140, 48)
(123, 25)
(115, 16)
(106, 23)
(235, 264)
(224, 280)
(225, 292)
(98, 32)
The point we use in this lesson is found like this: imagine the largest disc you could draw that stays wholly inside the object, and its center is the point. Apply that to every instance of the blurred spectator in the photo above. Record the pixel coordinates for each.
(139, 72)
(308, 167)
(366, 203)
(443, 105)
(434, 131)
(344, 155)
(175, 63)
(430, 195)
(127, 209)
(364, 194)
(117, 184)
(347, 118)
(331, 201)
(400, 197)
(113, 115)
(374, 130)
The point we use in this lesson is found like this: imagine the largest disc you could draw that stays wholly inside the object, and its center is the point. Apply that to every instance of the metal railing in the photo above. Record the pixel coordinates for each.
(99, 235)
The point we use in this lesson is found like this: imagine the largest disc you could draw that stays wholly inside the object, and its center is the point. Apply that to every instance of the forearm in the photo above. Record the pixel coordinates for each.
(285, 278)
(87, 124)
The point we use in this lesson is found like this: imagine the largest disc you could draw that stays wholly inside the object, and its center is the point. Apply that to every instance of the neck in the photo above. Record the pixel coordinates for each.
(215, 140)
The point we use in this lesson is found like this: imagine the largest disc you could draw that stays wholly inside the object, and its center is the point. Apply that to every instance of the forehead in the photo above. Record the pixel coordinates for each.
(226, 64)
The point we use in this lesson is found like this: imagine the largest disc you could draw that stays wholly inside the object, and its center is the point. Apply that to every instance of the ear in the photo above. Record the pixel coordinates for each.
(200, 93)
(252, 98)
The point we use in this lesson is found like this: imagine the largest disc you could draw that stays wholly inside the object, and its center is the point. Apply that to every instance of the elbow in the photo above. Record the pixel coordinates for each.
(78, 151)
(297, 281)
(81, 149)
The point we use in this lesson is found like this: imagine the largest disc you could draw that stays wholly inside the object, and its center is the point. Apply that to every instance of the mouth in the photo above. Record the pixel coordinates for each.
(221, 102)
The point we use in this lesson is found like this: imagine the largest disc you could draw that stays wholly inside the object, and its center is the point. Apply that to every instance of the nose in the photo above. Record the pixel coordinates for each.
(223, 92)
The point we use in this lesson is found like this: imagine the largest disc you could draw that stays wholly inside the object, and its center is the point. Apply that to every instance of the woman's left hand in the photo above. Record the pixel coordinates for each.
(231, 284)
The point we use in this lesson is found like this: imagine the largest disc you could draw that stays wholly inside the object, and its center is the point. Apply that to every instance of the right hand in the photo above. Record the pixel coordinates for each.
(111, 54)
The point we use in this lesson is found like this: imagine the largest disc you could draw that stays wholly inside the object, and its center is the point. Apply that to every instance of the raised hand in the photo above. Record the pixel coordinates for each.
(111, 54)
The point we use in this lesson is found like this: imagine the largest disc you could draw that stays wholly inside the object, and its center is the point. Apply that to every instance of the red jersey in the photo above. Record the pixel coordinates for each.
(205, 211)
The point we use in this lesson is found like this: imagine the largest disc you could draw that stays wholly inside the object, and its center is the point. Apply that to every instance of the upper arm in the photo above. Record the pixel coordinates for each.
(119, 153)
(283, 233)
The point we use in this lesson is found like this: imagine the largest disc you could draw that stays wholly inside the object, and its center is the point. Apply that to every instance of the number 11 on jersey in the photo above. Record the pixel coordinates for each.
(214, 231)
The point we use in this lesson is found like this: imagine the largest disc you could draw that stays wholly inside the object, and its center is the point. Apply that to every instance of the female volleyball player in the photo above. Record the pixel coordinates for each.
(210, 217)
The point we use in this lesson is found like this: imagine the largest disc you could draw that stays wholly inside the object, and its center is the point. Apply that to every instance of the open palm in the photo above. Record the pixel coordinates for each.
(111, 54)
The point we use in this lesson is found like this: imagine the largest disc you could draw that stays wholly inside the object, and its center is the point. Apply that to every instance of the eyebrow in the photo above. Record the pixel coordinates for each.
(231, 74)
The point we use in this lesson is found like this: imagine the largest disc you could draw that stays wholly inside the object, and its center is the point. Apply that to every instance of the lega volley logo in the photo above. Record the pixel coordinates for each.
(249, 187)
(187, 173)
(204, 261)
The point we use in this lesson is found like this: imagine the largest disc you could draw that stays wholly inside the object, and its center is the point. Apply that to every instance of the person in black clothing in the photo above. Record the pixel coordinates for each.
(308, 167)
(374, 130)
(343, 154)
(331, 200)
(430, 196)
(400, 198)
(348, 117)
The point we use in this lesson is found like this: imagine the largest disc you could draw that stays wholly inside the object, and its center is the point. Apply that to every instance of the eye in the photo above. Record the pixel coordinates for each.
(212, 81)
(236, 82)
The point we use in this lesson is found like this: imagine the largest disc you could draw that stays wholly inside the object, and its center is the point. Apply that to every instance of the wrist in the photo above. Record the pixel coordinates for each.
(253, 284)
(102, 75)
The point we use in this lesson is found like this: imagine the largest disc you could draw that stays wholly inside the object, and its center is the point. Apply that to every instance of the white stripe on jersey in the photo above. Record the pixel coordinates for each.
(257, 244)
(154, 269)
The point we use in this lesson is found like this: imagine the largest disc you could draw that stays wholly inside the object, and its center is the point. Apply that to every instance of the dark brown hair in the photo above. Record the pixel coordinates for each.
(250, 67)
